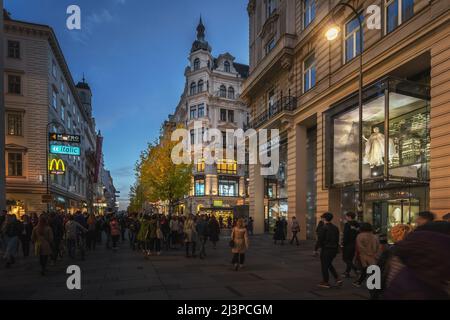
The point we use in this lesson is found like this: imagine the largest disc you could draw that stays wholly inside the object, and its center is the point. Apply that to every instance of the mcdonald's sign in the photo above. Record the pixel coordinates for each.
(57, 167)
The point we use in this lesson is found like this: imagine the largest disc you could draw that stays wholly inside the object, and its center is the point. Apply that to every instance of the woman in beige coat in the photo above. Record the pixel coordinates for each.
(42, 237)
(239, 244)
(367, 250)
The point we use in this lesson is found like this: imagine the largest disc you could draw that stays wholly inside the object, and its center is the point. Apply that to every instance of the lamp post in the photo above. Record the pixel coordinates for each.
(47, 148)
(331, 34)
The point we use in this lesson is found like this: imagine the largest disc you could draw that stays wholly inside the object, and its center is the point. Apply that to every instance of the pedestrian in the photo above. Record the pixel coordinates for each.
(11, 230)
(202, 231)
(250, 226)
(351, 230)
(91, 236)
(56, 224)
(115, 232)
(329, 245)
(424, 217)
(152, 238)
(3, 215)
(165, 229)
(367, 251)
(123, 227)
(279, 234)
(295, 229)
(142, 235)
(107, 230)
(173, 225)
(180, 236)
(239, 244)
(133, 229)
(42, 237)
(214, 231)
(25, 236)
(446, 217)
(190, 237)
(72, 228)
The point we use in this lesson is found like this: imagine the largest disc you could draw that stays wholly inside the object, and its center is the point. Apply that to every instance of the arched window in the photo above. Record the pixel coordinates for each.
(200, 86)
(230, 93)
(196, 64)
(193, 88)
(223, 91)
(227, 66)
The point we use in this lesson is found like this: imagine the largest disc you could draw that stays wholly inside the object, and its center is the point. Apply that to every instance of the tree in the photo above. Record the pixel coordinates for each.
(161, 179)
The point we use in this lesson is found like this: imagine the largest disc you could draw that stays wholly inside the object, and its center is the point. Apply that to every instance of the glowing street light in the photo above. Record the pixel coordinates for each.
(332, 33)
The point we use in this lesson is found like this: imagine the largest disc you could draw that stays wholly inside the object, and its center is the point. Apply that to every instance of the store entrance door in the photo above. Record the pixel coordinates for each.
(388, 213)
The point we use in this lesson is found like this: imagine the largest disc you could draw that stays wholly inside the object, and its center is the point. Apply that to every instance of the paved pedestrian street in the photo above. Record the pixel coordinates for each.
(271, 273)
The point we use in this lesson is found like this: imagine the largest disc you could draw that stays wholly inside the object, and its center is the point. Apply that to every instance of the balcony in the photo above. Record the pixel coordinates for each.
(279, 107)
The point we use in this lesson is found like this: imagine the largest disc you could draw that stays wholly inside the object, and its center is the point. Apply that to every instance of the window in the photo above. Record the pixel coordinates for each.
(15, 124)
(270, 7)
(227, 66)
(62, 86)
(196, 64)
(223, 115)
(228, 188)
(14, 84)
(200, 86)
(201, 110)
(352, 39)
(54, 69)
(200, 187)
(15, 163)
(227, 166)
(270, 45)
(54, 100)
(14, 49)
(397, 12)
(193, 88)
(193, 113)
(223, 91)
(69, 102)
(230, 93)
(201, 166)
(271, 101)
(309, 12)
(309, 73)
(230, 115)
(63, 112)
(69, 122)
(192, 136)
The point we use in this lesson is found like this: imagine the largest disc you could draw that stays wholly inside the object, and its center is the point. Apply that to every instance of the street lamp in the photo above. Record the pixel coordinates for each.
(58, 125)
(332, 34)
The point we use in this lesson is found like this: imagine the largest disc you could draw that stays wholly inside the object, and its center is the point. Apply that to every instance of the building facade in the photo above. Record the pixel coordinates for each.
(212, 97)
(41, 98)
(307, 86)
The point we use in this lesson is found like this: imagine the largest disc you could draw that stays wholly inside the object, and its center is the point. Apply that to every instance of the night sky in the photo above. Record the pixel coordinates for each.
(133, 54)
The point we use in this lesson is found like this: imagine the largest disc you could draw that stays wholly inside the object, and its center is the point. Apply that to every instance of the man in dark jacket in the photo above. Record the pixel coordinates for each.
(349, 242)
(329, 244)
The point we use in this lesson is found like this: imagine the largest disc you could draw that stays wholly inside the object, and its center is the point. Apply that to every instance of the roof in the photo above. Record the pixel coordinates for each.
(242, 69)
(83, 85)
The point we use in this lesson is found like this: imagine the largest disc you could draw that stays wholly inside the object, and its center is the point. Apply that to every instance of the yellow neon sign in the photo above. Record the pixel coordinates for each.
(57, 166)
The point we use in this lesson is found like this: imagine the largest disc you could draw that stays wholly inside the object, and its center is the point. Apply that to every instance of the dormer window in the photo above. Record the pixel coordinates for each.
(196, 64)
(227, 66)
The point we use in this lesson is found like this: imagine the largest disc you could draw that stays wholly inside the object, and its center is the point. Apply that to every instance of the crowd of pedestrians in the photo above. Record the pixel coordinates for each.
(415, 266)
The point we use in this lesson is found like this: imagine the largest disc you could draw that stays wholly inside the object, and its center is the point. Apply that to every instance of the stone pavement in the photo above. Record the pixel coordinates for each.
(271, 273)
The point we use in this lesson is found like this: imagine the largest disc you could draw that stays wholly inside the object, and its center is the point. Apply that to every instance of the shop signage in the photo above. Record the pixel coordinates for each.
(60, 137)
(67, 150)
(218, 203)
(100, 205)
(47, 198)
(57, 167)
(386, 195)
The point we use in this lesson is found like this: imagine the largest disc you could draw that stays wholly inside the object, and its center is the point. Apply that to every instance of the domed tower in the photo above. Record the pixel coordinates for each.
(200, 43)
(85, 95)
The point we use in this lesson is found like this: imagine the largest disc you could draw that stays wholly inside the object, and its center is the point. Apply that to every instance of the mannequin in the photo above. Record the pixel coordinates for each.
(374, 149)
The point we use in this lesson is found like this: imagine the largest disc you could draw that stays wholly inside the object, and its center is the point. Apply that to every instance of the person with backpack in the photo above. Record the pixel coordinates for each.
(328, 243)
(351, 230)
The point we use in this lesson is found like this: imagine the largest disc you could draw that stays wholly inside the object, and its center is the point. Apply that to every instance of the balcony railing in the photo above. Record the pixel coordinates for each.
(284, 104)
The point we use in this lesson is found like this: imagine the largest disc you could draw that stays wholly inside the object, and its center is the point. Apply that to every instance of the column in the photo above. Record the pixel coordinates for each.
(256, 190)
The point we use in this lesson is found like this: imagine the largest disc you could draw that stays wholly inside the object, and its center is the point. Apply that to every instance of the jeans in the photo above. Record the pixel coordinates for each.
(348, 254)
(294, 236)
(132, 239)
(191, 245)
(71, 247)
(327, 256)
(238, 258)
(203, 240)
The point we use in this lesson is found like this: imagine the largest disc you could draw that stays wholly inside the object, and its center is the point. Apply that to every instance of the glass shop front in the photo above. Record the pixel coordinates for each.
(395, 152)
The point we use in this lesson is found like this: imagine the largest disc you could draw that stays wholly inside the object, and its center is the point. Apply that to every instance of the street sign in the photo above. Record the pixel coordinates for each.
(62, 137)
(67, 150)
(57, 167)
(47, 198)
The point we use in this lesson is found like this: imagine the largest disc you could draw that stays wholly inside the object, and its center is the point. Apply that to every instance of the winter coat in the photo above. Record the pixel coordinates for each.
(115, 228)
(42, 242)
(190, 231)
(213, 230)
(367, 248)
(240, 238)
(280, 233)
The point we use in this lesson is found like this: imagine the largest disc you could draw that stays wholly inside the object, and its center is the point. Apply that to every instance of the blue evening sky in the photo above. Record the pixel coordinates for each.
(133, 53)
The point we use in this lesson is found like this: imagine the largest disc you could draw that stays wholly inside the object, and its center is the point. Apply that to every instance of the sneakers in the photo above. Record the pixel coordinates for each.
(325, 285)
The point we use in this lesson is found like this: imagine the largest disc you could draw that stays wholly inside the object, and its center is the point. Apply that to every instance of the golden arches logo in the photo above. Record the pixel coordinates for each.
(57, 166)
